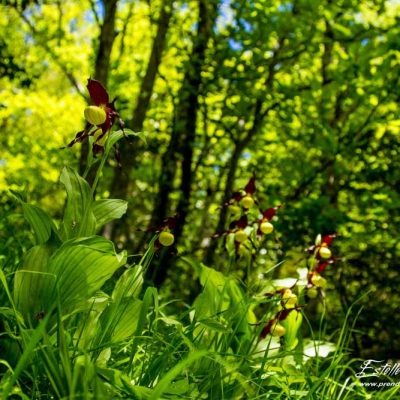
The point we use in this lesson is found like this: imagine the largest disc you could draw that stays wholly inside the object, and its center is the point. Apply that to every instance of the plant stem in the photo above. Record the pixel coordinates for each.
(99, 170)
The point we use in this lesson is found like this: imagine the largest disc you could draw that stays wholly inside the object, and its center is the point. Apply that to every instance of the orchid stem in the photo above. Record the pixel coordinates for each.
(99, 170)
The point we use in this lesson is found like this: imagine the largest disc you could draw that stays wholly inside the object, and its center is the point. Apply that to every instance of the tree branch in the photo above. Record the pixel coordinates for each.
(54, 57)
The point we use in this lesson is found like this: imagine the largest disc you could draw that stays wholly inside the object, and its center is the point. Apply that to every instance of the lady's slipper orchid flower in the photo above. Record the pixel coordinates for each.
(280, 316)
(322, 258)
(100, 117)
(321, 246)
(244, 197)
(166, 237)
(264, 225)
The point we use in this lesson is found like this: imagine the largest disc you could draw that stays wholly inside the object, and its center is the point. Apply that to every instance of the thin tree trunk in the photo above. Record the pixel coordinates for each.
(102, 64)
(228, 190)
(184, 127)
(183, 137)
(120, 184)
(121, 181)
(206, 22)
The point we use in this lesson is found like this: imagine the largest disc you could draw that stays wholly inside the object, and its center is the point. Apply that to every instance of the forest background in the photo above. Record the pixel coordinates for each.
(303, 93)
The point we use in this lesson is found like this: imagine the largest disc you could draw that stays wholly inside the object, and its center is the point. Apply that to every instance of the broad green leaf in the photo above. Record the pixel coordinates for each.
(78, 269)
(123, 382)
(79, 220)
(39, 220)
(30, 281)
(118, 135)
(88, 322)
(82, 266)
(222, 296)
(124, 318)
(129, 284)
(107, 210)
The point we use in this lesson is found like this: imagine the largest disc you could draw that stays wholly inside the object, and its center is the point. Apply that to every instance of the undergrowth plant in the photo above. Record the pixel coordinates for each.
(67, 335)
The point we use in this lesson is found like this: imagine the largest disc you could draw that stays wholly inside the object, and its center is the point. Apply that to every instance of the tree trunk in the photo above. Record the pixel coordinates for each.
(183, 137)
(102, 64)
(228, 190)
(121, 181)
(119, 187)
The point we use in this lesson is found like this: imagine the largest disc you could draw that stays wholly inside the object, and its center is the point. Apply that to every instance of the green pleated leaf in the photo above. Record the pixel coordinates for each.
(107, 210)
(125, 317)
(73, 274)
(88, 324)
(81, 267)
(79, 220)
(118, 135)
(129, 284)
(30, 281)
(40, 221)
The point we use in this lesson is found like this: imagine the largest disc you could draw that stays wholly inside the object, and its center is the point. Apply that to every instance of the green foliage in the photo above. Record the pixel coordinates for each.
(302, 93)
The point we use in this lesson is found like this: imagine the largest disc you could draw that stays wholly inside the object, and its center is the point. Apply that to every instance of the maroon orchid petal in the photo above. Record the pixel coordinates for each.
(237, 196)
(80, 137)
(242, 222)
(250, 188)
(270, 213)
(106, 126)
(311, 248)
(97, 149)
(282, 315)
(328, 239)
(267, 328)
(223, 233)
(170, 222)
(323, 264)
(110, 118)
(97, 92)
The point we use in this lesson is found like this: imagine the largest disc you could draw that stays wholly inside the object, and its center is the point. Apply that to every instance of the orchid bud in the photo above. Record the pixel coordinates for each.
(95, 115)
(266, 227)
(289, 299)
(247, 201)
(325, 253)
(234, 209)
(277, 330)
(243, 251)
(166, 238)
(318, 281)
(240, 236)
(312, 293)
